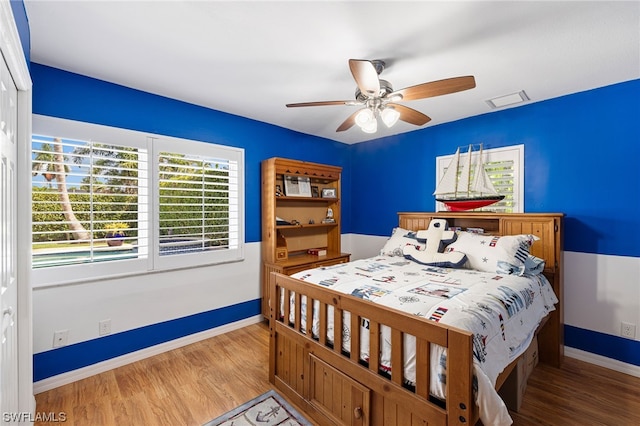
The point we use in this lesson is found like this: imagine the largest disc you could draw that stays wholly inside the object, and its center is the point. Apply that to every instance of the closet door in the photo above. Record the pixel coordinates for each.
(8, 243)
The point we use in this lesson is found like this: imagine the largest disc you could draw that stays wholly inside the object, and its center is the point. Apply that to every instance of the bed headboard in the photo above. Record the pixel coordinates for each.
(546, 226)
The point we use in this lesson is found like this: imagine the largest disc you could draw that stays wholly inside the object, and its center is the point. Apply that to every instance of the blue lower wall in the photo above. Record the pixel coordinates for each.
(606, 345)
(72, 357)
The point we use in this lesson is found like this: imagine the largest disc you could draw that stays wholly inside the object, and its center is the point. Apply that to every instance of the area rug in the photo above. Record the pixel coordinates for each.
(268, 409)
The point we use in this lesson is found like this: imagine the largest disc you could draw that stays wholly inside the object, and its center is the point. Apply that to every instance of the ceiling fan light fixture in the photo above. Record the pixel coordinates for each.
(365, 117)
(370, 127)
(389, 116)
(377, 97)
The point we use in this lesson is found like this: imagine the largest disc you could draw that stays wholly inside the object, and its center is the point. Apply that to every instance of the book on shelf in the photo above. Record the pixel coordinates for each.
(317, 252)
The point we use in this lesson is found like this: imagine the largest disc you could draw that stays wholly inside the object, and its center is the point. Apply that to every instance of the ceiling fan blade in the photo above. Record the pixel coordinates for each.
(410, 115)
(348, 123)
(366, 76)
(321, 103)
(436, 88)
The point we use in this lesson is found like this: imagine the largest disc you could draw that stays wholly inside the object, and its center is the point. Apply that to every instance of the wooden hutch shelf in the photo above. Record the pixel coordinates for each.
(284, 247)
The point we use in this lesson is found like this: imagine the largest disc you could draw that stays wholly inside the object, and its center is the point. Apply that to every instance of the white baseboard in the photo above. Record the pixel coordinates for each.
(602, 361)
(91, 370)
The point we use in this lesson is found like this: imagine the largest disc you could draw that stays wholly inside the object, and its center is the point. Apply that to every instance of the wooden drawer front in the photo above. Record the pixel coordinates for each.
(293, 269)
(337, 396)
(290, 270)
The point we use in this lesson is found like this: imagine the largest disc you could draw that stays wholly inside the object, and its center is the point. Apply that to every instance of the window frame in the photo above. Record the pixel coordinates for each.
(513, 153)
(163, 144)
(151, 263)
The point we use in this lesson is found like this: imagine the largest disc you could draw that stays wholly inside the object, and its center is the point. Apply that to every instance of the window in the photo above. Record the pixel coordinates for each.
(198, 204)
(103, 197)
(505, 168)
(86, 198)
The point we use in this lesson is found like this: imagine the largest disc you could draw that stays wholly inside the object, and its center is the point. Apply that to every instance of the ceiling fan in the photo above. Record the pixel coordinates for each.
(378, 98)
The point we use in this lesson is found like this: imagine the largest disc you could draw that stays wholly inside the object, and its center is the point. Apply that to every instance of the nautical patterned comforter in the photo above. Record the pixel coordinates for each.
(502, 311)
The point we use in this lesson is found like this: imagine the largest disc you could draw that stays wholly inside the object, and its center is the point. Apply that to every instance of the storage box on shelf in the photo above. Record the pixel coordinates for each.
(294, 223)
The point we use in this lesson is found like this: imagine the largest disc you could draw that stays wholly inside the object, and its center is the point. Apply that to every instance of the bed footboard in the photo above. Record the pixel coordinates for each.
(334, 386)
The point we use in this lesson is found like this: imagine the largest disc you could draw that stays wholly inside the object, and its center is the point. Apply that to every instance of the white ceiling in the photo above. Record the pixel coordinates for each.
(252, 58)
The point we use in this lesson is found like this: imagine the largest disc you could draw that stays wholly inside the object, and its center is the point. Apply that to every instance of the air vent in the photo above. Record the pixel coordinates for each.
(506, 100)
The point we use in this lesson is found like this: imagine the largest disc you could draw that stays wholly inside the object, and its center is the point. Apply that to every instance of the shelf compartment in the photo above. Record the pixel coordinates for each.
(303, 211)
(302, 238)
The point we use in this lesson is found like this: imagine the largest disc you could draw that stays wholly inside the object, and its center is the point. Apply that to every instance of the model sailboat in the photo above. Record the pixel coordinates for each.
(459, 193)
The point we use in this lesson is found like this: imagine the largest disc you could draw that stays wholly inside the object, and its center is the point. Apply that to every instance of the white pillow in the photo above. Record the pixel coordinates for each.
(491, 253)
(400, 237)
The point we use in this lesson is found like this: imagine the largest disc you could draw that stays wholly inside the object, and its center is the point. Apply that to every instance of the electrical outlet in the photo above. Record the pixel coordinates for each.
(104, 327)
(60, 338)
(628, 330)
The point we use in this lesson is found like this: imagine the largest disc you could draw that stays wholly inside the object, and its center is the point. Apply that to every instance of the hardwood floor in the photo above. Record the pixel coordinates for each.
(196, 383)
(186, 386)
(579, 393)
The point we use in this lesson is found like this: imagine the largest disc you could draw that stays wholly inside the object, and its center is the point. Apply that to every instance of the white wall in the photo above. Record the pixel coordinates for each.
(362, 246)
(601, 291)
(142, 300)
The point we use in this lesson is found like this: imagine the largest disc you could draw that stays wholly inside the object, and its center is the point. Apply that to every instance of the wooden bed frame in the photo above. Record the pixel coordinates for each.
(333, 387)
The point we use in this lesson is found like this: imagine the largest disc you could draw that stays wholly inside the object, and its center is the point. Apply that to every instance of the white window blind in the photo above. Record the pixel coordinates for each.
(505, 168)
(501, 173)
(103, 196)
(198, 203)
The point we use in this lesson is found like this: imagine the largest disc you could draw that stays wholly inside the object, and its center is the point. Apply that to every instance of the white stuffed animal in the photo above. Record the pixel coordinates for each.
(437, 237)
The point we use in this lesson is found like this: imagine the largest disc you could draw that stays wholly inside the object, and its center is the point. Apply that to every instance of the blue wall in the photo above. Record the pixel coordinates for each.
(569, 142)
(22, 24)
(581, 157)
(62, 94)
